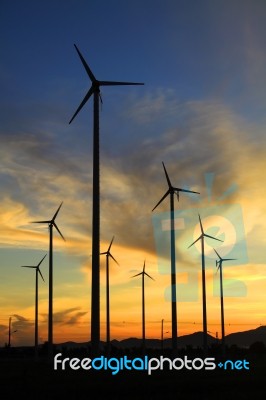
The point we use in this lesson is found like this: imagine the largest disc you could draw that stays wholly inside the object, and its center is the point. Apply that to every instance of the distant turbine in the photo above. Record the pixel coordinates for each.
(108, 254)
(173, 190)
(219, 265)
(51, 223)
(37, 271)
(10, 332)
(95, 281)
(143, 273)
(204, 309)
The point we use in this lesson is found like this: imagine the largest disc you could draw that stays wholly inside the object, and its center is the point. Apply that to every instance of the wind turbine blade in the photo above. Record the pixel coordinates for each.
(167, 177)
(195, 241)
(137, 275)
(164, 196)
(86, 98)
(143, 271)
(112, 83)
(105, 252)
(229, 259)
(41, 261)
(211, 237)
(27, 266)
(54, 217)
(113, 258)
(184, 190)
(58, 231)
(217, 254)
(41, 222)
(201, 227)
(149, 276)
(109, 248)
(87, 68)
(41, 274)
(218, 265)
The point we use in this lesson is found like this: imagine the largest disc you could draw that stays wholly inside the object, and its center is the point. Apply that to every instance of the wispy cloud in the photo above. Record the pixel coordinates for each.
(70, 316)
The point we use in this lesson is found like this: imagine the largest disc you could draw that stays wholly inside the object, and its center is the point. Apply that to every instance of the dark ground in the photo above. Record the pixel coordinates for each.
(21, 376)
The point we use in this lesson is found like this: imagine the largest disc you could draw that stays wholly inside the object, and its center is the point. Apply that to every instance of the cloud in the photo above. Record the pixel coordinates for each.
(149, 107)
(200, 137)
(76, 318)
(64, 317)
(22, 330)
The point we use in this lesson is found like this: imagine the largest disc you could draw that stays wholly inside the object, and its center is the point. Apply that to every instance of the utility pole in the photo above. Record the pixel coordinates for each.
(9, 332)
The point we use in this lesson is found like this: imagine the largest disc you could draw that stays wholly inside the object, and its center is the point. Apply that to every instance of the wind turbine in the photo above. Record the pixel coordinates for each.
(219, 265)
(10, 332)
(143, 273)
(51, 223)
(108, 254)
(37, 271)
(173, 190)
(95, 281)
(204, 308)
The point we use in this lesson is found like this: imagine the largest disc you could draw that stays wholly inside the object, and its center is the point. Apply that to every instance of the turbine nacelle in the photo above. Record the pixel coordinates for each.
(172, 189)
(108, 253)
(37, 267)
(143, 273)
(95, 84)
(221, 260)
(203, 234)
(51, 222)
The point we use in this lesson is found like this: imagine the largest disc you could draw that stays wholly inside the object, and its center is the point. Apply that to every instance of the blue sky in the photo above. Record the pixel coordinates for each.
(201, 110)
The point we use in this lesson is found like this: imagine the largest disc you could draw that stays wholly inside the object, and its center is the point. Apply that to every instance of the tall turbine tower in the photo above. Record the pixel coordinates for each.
(143, 273)
(204, 308)
(173, 190)
(37, 272)
(219, 265)
(108, 254)
(95, 281)
(51, 223)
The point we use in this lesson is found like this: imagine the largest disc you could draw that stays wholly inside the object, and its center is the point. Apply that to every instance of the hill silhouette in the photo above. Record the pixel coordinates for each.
(195, 340)
(247, 338)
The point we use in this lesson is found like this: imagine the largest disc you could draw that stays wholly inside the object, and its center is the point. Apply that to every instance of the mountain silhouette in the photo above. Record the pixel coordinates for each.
(241, 339)
(247, 338)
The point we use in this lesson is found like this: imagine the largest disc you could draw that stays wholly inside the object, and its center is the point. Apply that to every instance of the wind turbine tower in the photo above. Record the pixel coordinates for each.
(95, 281)
(37, 272)
(108, 254)
(172, 191)
(204, 307)
(51, 223)
(219, 265)
(143, 273)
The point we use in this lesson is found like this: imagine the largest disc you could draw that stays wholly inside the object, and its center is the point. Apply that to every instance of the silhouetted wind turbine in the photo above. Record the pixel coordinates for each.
(173, 190)
(37, 271)
(108, 254)
(204, 309)
(219, 265)
(95, 281)
(51, 223)
(143, 273)
(10, 332)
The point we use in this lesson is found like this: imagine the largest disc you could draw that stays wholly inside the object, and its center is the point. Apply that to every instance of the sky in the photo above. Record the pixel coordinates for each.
(201, 111)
